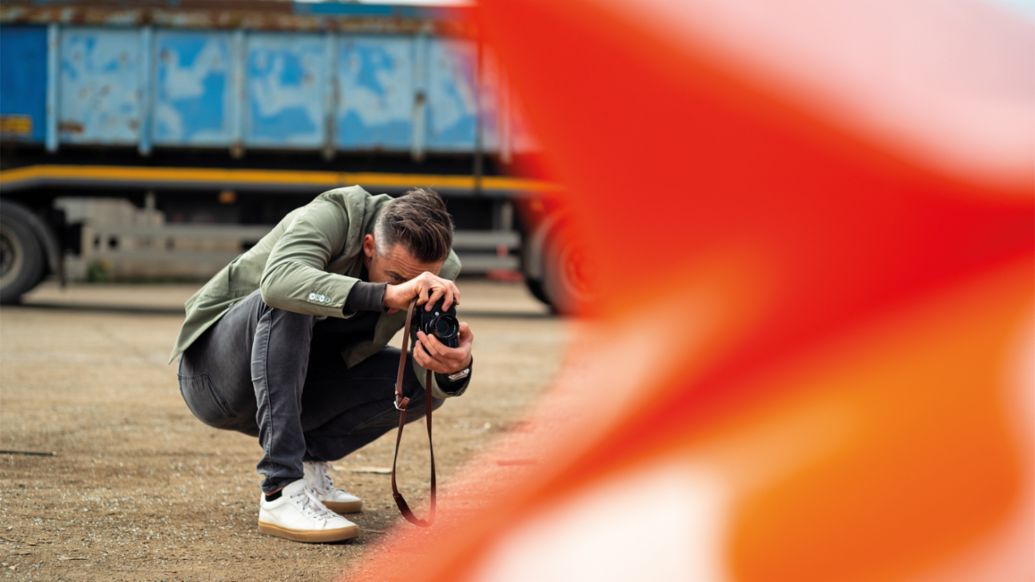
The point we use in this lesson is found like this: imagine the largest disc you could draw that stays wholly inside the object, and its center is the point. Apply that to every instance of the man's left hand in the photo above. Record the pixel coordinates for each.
(436, 356)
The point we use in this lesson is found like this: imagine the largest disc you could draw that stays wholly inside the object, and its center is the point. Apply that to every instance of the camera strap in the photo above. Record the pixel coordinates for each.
(402, 402)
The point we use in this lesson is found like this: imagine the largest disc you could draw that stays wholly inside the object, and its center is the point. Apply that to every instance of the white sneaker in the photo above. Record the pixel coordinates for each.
(298, 515)
(315, 474)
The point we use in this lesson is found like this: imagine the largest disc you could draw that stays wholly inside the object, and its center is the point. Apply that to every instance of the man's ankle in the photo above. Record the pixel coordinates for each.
(274, 493)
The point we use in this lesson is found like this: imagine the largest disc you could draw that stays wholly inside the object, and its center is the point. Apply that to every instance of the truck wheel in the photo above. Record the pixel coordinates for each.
(535, 287)
(22, 264)
(568, 282)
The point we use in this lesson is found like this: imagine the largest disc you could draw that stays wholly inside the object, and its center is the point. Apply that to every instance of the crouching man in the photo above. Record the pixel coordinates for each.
(288, 343)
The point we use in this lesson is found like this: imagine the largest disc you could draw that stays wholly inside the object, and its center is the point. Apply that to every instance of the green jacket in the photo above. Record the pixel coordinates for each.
(307, 264)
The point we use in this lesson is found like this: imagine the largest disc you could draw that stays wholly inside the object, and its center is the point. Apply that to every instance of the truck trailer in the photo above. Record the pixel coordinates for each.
(223, 115)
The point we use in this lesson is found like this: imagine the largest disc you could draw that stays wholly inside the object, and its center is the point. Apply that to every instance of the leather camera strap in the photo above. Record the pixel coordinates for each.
(401, 404)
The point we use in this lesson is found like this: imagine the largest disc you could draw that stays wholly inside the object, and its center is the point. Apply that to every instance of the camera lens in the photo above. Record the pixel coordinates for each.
(446, 327)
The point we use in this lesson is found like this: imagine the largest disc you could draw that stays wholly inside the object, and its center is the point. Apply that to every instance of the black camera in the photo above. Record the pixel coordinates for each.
(441, 323)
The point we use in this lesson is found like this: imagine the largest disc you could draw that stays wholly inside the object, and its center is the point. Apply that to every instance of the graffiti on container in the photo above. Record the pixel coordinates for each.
(452, 96)
(376, 84)
(99, 92)
(287, 78)
(193, 88)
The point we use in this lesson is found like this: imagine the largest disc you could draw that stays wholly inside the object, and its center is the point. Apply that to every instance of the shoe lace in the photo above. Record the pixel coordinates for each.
(311, 506)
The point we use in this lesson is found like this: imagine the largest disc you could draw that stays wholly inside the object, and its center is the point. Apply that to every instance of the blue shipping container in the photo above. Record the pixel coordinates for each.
(320, 91)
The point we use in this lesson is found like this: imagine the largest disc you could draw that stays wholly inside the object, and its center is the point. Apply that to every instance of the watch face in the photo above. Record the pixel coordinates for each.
(461, 374)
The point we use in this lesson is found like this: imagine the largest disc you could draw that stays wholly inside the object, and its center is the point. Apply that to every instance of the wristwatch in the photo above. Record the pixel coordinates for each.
(457, 376)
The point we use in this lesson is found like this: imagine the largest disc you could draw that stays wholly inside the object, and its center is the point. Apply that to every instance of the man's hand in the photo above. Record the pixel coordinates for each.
(436, 356)
(426, 288)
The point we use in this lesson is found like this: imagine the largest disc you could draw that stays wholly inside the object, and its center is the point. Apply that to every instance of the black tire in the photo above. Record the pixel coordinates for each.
(22, 262)
(568, 281)
(535, 287)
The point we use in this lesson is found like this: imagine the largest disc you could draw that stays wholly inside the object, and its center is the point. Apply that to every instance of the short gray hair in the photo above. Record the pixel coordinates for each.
(419, 221)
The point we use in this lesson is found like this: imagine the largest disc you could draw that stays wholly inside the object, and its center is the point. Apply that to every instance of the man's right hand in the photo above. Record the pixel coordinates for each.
(426, 288)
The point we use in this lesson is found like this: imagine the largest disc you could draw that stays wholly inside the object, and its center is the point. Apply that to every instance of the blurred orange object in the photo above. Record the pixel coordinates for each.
(813, 358)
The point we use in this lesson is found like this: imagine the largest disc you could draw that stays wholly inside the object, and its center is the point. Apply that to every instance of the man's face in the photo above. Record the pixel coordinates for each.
(396, 265)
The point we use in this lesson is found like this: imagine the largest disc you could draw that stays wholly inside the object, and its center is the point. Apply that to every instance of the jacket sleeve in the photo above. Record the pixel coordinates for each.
(294, 278)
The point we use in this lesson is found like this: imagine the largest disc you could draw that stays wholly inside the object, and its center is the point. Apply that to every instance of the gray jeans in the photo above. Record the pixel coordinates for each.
(273, 374)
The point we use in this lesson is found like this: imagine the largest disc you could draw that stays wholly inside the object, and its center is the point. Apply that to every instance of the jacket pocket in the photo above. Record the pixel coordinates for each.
(203, 400)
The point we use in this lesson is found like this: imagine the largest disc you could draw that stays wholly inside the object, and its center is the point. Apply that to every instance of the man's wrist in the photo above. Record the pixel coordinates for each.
(462, 376)
(467, 366)
(391, 297)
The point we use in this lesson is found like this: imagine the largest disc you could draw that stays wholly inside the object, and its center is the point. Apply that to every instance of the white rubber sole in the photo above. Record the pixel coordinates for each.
(310, 536)
(343, 507)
